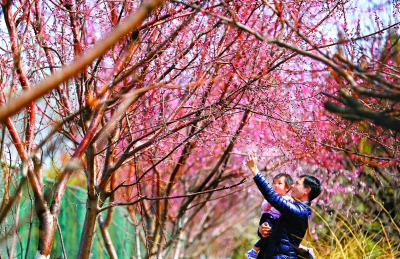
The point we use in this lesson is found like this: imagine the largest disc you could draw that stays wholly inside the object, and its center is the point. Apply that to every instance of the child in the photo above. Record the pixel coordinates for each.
(282, 183)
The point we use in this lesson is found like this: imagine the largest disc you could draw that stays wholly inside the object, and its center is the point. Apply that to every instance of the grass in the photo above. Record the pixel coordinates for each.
(356, 236)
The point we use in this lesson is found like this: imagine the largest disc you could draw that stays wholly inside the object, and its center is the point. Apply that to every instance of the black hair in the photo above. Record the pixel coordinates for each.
(288, 179)
(314, 184)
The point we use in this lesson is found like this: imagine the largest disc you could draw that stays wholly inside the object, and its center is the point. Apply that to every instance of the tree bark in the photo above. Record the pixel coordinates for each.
(106, 237)
(47, 229)
(89, 228)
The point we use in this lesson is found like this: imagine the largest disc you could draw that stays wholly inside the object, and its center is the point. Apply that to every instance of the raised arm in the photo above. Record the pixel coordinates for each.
(251, 163)
(279, 203)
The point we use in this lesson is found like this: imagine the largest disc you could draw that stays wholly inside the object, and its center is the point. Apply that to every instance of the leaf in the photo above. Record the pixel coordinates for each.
(364, 146)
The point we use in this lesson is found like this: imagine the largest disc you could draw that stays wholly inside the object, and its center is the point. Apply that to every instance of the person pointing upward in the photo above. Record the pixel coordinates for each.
(290, 228)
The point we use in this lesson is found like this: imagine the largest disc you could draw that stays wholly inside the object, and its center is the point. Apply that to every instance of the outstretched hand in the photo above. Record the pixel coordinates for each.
(251, 163)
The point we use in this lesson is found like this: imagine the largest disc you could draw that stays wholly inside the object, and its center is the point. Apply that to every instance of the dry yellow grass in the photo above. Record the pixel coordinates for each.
(343, 237)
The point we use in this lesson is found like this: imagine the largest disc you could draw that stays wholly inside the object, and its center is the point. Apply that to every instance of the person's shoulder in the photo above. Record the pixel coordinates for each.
(303, 207)
(305, 204)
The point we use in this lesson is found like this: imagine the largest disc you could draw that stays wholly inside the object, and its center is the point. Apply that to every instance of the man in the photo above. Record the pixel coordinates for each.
(290, 228)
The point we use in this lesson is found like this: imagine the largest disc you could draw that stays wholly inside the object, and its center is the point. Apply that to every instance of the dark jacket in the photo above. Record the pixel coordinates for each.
(289, 229)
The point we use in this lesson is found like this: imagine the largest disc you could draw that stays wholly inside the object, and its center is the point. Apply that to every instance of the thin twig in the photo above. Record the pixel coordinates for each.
(170, 197)
(62, 240)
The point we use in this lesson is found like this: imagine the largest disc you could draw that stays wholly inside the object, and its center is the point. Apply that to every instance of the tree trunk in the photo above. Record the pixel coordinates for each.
(47, 229)
(89, 228)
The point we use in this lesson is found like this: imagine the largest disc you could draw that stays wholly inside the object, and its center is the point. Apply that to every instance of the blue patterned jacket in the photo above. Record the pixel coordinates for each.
(289, 229)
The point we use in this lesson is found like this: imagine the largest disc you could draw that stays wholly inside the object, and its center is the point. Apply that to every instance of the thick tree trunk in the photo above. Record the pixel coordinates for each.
(89, 228)
(47, 229)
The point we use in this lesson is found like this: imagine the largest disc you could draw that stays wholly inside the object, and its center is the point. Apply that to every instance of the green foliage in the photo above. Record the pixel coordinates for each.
(77, 179)
(245, 243)
(364, 146)
(246, 237)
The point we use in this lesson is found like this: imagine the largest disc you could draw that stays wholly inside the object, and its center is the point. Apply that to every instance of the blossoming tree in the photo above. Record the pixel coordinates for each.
(155, 104)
